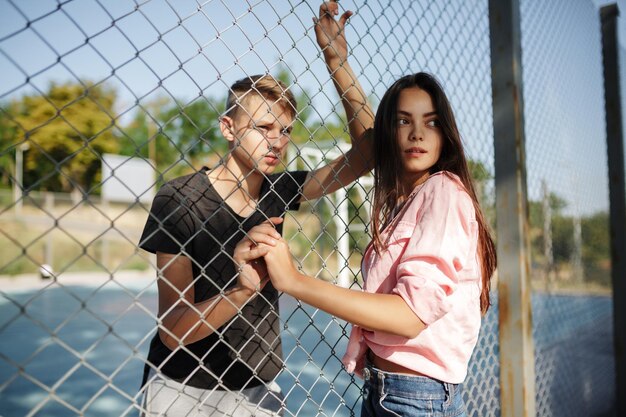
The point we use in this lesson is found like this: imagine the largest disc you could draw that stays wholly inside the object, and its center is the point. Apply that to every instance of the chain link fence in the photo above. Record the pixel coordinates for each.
(87, 81)
(568, 203)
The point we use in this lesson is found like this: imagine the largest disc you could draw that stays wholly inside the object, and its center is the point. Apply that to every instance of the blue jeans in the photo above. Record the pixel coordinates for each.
(388, 394)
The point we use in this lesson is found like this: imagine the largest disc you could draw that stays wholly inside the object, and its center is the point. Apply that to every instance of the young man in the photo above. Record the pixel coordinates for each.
(218, 349)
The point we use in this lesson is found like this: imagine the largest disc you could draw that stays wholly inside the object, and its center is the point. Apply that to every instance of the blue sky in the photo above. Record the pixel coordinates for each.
(194, 50)
(185, 49)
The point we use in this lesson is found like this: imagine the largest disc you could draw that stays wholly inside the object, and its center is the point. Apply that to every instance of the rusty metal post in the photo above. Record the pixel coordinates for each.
(617, 191)
(517, 359)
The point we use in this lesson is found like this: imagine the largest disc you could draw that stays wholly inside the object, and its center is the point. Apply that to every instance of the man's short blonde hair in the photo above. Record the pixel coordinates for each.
(265, 86)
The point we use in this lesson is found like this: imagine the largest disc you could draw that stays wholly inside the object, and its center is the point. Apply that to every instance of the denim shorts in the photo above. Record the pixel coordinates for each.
(389, 394)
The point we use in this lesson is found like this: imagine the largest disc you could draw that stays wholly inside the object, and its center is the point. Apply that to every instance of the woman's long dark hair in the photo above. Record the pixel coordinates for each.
(388, 188)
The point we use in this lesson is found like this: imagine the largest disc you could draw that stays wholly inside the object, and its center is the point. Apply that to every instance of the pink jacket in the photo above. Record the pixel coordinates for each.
(431, 262)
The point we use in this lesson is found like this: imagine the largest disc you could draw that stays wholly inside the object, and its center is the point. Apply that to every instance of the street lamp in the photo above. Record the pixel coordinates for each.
(18, 185)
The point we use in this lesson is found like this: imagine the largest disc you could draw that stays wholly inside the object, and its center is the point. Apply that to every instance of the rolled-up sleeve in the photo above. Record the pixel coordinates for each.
(438, 250)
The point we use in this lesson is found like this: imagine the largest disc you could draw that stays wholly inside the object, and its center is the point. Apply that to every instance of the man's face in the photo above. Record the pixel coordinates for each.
(261, 131)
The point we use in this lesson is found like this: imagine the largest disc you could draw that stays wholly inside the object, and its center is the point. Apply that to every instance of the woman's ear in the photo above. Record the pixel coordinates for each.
(227, 128)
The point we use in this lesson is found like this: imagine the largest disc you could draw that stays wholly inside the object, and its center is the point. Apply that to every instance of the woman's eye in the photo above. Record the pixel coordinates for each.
(403, 121)
(433, 123)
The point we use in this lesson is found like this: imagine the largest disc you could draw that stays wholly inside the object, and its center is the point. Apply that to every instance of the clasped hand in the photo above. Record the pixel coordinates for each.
(249, 252)
(263, 254)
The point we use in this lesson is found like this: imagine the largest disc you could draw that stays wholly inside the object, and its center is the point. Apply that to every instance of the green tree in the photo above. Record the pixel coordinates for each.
(68, 129)
(307, 127)
(134, 138)
(596, 248)
(562, 238)
(481, 176)
(562, 230)
(177, 137)
(137, 138)
(8, 141)
(190, 132)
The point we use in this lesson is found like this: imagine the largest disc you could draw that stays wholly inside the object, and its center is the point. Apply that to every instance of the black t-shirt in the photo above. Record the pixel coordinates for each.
(189, 217)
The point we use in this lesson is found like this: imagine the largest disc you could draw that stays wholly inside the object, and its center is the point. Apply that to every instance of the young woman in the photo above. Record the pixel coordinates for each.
(427, 270)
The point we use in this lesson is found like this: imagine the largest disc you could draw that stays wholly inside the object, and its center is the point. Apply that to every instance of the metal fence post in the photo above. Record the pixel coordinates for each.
(517, 361)
(617, 191)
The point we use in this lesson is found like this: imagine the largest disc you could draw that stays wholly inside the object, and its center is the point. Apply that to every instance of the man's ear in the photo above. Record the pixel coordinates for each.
(227, 128)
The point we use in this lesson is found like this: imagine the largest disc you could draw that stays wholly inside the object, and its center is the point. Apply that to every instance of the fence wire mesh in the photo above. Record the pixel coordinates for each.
(568, 202)
(103, 102)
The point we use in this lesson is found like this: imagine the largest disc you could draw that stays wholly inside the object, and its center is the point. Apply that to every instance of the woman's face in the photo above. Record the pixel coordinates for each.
(419, 135)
